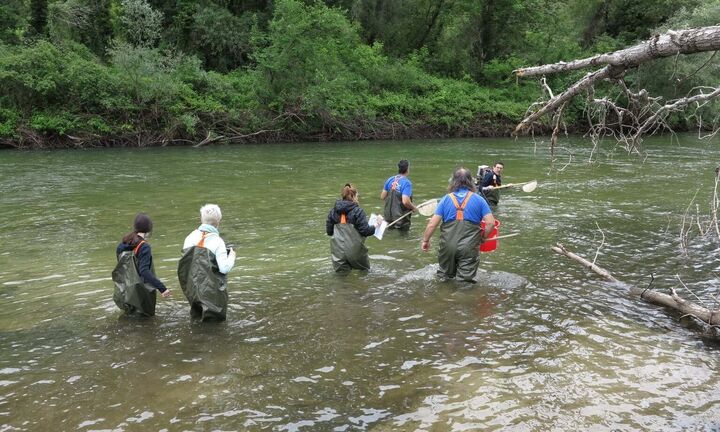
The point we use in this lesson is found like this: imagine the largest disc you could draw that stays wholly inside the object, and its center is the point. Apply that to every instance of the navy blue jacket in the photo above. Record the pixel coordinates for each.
(144, 264)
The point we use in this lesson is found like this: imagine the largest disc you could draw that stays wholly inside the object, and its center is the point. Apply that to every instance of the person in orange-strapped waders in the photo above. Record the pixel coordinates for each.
(460, 212)
(348, 226)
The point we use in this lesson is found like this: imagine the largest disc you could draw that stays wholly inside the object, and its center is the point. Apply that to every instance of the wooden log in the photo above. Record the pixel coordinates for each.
(672, 301)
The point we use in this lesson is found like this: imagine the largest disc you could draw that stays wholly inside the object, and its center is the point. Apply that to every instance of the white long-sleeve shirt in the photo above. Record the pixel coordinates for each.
(216, 245)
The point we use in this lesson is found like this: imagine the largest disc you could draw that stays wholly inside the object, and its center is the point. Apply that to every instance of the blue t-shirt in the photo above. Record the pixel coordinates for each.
(475, 209)
(404, 185)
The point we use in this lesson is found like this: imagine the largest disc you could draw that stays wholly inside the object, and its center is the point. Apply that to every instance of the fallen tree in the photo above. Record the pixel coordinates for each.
(709, 316)
(640, 113)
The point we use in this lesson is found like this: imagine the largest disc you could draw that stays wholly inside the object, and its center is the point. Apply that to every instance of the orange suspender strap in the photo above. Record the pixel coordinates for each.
(137, 248)
(202, 240)
(460, 207)
(343, 218)
(395, 183)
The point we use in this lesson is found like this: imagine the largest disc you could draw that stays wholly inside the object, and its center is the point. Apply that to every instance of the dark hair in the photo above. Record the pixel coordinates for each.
(462, 178)
(499, 163)
(348, 192)
(403, 166)
(141, 224)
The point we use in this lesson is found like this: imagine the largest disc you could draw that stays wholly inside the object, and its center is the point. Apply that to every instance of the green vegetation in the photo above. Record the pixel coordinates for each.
(158, 72)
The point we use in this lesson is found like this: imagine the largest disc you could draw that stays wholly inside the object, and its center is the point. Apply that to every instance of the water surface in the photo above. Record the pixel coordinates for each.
(538, 344)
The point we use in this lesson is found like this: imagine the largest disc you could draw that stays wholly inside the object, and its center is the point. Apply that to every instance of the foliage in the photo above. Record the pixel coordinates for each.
(12, 20)
(188, 69)
(141, 23)
(678, 77)
(221, 39)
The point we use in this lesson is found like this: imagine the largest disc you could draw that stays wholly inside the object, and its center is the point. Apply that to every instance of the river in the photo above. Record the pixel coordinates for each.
(539, 343)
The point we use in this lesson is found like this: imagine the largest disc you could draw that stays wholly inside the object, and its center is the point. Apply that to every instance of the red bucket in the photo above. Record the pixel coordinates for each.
(491, 245)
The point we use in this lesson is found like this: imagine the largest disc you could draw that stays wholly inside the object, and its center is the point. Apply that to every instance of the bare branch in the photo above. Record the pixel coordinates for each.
(671, 43)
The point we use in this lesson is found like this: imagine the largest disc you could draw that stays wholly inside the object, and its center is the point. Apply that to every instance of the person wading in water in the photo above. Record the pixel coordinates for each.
(397, 194)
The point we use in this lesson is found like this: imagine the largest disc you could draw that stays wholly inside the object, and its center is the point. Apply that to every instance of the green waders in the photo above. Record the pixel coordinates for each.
(394, 207)
(492, 197)
(202, 283)
(458, 253)
(131, 294)
(348, 248)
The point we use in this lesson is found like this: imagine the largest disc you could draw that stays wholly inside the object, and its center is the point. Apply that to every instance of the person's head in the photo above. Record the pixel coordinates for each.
(349, 192)
(210, 214)
(142, 224)
(403, 166)
(498, 167)
(462, 178)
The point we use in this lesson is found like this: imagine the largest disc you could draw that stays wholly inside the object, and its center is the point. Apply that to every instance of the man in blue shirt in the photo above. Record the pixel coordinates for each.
(397, 194)
(460, 212)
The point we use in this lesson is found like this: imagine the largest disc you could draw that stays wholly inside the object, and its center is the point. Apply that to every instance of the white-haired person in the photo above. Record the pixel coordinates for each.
(203, 267)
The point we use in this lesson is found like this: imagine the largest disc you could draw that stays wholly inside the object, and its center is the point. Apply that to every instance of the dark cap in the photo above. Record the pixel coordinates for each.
(142, 223)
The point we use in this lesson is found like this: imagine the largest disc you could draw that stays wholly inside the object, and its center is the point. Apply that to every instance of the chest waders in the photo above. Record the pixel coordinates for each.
(131, 294)
(348, 248)
(394, 207)
(492, 196)
(202, 283)
(459, 240)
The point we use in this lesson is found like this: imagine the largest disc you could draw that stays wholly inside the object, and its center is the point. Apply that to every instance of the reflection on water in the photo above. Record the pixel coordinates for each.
(537, 344)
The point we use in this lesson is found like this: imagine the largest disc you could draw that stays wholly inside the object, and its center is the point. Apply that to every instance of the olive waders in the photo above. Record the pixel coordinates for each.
(492, 197)
(458, 253)
(131, 294)
(394, 207)
(348, 248)
(202, 283)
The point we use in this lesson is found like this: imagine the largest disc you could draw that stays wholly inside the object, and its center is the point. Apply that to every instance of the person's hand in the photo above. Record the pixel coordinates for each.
(425, 245)
(165, 293)
(487, 188)
(379, 220)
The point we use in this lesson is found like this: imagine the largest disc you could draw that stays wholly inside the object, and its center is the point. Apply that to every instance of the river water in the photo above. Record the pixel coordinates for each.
(539, 343)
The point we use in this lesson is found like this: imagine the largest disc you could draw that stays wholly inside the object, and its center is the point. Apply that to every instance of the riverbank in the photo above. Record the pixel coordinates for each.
(483, 127)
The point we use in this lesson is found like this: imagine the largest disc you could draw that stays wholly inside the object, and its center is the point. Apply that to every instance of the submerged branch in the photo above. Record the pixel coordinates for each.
(673, 301)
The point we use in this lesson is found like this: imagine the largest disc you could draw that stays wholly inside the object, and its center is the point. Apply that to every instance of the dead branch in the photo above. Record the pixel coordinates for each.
(671, 43)
(673, 301)
(644, 115)
(585, 263)
(585, 83)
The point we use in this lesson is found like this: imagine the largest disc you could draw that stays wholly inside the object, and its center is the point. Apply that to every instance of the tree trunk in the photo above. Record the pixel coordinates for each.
(673, 301)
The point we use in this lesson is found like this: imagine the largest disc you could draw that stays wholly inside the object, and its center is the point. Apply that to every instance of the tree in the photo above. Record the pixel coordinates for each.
(12, 20)
(38, 16)
(142, 25)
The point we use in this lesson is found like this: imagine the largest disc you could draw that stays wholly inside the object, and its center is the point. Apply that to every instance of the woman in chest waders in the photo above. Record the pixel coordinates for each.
(134, 275)
(460, 212)
(348, 226)
(203, 267)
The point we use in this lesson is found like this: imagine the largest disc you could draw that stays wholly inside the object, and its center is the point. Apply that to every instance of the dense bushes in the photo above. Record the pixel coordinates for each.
(189, 70)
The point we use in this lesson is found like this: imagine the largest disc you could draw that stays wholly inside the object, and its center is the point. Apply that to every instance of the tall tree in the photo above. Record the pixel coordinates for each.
(12, 20)
(38, 16)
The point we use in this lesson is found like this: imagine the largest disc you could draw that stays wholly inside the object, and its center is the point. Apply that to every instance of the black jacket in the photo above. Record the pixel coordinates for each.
(354, 215)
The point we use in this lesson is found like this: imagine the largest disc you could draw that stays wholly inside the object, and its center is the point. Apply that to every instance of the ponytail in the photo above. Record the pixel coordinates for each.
(141, 224)
(132, 238)
(349, 192)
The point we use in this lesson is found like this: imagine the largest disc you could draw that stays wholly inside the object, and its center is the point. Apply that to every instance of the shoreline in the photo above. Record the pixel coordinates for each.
(483, 128)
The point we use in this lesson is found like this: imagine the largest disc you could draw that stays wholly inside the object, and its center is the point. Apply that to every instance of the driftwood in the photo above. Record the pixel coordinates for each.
(673, 301)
